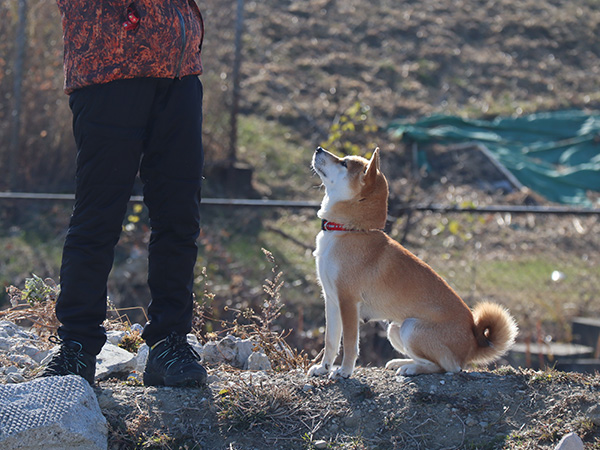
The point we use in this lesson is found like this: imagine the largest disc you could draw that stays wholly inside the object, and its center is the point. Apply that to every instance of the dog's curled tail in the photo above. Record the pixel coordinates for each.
(495, 332)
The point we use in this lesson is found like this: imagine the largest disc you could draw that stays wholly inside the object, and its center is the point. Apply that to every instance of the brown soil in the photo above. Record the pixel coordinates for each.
(372, 410)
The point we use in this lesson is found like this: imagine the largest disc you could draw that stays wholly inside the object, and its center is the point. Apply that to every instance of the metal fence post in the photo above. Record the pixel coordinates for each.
(15, 140)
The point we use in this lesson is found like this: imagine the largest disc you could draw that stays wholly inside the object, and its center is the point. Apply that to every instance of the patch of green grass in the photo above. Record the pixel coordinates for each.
(427, 72)
(20, 258)
(280, 157)
(523, 283)
(550, 375)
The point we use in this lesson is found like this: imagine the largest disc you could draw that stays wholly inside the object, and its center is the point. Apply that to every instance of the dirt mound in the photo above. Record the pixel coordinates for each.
(373, 409)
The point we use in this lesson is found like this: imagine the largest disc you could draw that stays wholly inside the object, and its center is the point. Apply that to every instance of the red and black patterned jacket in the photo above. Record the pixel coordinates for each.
(106, 40)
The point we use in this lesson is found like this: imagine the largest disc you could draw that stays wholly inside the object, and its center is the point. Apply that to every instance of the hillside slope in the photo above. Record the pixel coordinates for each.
(310, 59)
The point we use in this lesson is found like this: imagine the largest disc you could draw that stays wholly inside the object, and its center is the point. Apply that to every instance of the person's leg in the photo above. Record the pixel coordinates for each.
(172, 173)
(109, 125)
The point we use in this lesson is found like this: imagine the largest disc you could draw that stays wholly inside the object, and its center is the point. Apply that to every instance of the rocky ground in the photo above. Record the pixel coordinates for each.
(374, 409)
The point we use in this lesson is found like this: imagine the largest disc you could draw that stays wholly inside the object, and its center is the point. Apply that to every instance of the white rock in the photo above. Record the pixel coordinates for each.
(258, 361)
(196, 345)
(9, 329)
(5, 343)
(22, 360)
(230, 350)
(31, 351)
(212, 355)
(15, 378)
(113, 360)
(141, 358)
(115, 337)
(137, 327)
(570, 442)
(46, 413)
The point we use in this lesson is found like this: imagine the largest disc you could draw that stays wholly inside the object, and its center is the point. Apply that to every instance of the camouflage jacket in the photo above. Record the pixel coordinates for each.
(104, 42)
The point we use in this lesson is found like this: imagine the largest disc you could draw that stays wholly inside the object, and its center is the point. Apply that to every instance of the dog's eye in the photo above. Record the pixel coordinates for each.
(344, 163)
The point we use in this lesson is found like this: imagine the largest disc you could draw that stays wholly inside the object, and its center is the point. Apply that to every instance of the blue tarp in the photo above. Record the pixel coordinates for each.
(556, 154)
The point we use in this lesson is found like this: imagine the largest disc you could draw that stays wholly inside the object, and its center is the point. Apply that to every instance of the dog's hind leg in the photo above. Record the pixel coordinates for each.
(333, 335)
(428, 356)
(424, 343)
(393, 334)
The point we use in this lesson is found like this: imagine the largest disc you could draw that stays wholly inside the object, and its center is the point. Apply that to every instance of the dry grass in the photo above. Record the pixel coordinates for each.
(259, 326)
(34, 305)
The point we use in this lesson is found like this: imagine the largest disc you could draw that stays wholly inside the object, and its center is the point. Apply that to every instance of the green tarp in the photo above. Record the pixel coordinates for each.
(556, 154)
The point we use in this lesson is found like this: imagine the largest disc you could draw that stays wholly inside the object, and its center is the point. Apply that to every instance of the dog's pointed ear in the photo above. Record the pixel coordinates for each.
(373, 167)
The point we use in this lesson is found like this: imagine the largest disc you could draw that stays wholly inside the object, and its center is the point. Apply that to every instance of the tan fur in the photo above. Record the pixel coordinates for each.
(367, 275)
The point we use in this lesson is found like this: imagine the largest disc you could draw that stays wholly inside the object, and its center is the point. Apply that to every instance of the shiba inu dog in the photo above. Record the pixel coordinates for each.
(366, 275)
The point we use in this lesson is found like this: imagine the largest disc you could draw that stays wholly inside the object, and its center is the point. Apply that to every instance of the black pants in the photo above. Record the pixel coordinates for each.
(150, 125)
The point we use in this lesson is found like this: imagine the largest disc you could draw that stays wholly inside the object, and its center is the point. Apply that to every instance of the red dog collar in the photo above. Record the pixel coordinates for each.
(326, 225)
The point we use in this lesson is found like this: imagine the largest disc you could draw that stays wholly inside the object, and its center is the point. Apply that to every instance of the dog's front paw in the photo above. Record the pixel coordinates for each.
(318, 370)
(340, 373)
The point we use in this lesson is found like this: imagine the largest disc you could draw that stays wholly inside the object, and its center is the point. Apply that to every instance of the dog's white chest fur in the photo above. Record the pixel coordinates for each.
(327, 265)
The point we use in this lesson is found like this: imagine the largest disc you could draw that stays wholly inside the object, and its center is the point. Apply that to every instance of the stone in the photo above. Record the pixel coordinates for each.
(213, 379)
(138, 328)
(141, 358)
(470, 422)
(9, 329)
(570, 442)
(5, 343)
(353, 420)
(15, 378)
(115, 337)
(22, 360)
(196, 345)
(106, 399)
(320, 444)
(258, 361)
(230, 350)
(32, 351)
(46, 413)
(593, 414)
(114, 360)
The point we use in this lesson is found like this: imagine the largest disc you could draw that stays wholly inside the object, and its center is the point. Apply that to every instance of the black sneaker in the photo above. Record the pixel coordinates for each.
(71, 359)
(173, 362)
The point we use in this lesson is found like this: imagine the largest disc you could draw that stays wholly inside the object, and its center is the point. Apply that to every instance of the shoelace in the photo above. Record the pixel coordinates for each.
(68, 358)
(178, 349)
